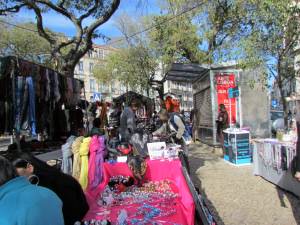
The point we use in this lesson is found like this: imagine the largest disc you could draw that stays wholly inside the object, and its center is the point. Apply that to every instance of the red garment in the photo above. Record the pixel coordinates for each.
(172, 105)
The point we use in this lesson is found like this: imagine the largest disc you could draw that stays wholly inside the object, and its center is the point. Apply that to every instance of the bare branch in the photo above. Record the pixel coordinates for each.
(13, 9)
(40, 25)
(90, 11)
(104, 18)
(61, 3)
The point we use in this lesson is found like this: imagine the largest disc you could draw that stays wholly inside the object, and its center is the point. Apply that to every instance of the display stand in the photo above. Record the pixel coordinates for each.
(272, 160)
(237, 147)
(156, 171)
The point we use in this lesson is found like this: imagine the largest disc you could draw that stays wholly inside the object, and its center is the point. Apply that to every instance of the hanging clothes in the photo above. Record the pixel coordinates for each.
(56, 87)
(47, 86)
(84, 152)
(97, 148)
(69, 91)
(76, 157)
(67, 153)
(25, 102)
(31, 106)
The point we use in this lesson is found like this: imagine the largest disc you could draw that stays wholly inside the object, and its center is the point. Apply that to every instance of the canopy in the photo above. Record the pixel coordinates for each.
(129, 96)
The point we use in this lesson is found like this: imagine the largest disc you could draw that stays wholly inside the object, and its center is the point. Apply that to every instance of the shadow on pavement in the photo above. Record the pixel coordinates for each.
(293, 200)
(197, 159)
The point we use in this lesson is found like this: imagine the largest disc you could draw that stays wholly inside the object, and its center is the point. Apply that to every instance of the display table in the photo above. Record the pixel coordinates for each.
(156, 171)
(237, 147)
(273, 161)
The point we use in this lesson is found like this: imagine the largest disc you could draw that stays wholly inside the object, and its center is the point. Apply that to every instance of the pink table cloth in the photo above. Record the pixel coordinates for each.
(156, 171)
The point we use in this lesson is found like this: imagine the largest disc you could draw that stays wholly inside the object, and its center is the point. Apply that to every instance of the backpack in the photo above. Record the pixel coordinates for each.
(186, 135)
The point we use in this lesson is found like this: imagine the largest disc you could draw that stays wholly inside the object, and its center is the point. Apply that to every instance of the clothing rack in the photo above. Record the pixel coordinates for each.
(10, 69)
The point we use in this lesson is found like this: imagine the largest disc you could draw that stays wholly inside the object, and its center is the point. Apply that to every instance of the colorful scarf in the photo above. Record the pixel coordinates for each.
(84, 153)
(76, 157)
(97, 148)
(67, 153)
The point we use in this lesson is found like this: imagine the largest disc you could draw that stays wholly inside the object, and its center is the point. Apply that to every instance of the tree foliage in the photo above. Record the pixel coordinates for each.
(272, 41)
(135, 63)
(23, 43)
(67, 51)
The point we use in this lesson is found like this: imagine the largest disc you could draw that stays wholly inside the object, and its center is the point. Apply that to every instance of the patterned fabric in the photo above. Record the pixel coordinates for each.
(76, 157)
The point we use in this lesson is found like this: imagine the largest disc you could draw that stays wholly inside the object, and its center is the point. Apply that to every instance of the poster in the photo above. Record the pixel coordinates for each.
(225, 81)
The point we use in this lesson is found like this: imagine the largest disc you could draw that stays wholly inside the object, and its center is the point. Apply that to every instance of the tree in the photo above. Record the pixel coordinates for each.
(67, 51)
(272, 41)
(24, 43)
(176, 40)
(199, 32)
(136, 63)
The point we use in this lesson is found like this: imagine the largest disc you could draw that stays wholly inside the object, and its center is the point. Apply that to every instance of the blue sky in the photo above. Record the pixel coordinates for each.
(61, 24)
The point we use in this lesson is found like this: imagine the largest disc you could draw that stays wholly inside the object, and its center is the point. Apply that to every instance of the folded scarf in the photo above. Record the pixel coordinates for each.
(84, 152)
(97, 147)
(76, 157)
(67, 153)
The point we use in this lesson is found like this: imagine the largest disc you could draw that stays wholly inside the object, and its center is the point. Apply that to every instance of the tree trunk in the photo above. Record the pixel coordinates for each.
(283, 100)
(68, 69)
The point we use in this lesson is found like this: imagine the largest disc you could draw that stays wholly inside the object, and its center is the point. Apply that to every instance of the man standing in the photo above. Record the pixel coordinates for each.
(128, 121)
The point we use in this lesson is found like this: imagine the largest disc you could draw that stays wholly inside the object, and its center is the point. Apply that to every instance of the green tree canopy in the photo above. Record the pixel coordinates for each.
(67, 51)
(24, 43)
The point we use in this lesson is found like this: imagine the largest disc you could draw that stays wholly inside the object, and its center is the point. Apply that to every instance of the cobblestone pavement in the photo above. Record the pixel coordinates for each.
(237, 197)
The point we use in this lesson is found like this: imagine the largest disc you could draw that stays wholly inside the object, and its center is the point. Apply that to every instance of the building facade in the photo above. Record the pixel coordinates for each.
(182, 90)
(84, 71)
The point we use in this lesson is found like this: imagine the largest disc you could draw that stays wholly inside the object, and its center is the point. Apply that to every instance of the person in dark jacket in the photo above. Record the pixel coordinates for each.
(128, 121)
(66, 187)
(222, 122)
(96, 130)
(25, 204)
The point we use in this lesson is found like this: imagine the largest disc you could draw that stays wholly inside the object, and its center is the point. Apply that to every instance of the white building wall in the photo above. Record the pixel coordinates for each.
(84, 71)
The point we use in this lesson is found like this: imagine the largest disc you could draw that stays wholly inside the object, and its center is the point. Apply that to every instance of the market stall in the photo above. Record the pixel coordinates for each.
(132, 188)
(147, 104)
(165, 197)
(34, 96)
(273, 160)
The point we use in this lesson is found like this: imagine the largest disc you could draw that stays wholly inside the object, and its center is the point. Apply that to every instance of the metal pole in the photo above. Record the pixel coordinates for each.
(230, 113)
(240, 101)
(214, 105)
(86, 108)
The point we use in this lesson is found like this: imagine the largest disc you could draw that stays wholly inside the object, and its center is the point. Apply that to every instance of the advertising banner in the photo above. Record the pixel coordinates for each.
(224, 82)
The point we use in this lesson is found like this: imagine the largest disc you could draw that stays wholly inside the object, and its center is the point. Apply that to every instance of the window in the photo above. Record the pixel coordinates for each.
(112, 87)
(90, 53)
(91, 67)
(92, 85)
(101, 53)
(80, 66)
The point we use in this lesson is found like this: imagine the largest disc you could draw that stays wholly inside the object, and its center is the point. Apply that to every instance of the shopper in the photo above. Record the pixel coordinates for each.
(66, 187)
(96, 130)
(128, 121)
(103, 116)
(173, 122)
(22, 203)
(222, 122)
